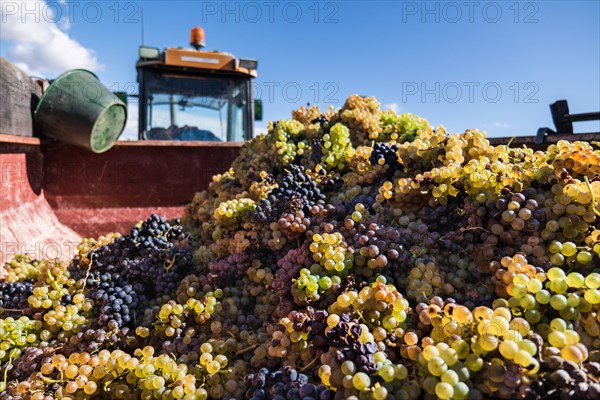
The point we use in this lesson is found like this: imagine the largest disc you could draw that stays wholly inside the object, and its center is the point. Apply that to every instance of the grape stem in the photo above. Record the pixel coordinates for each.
(171, 263)
(247, 349)
(50, 380)
(593, 203)
(510, 142)
(10, 358)
(474, 228)
(87, 274)
(310, 364)
(167, 233)
(13, 310)
(53, 281)
(361, 316)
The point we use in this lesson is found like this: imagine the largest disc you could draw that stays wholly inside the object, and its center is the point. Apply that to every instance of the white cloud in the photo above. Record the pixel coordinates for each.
(502, 125)
(37, 44)
(64, 24)
(395, 107)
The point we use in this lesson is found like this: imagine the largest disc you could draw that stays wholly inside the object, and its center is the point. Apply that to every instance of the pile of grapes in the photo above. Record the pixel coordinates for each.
(352, 254)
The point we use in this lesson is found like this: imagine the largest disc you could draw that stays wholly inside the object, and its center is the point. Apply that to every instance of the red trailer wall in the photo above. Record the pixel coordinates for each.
(52, 194)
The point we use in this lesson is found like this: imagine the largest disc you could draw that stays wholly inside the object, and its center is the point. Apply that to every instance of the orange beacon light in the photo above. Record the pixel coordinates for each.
(197, 38)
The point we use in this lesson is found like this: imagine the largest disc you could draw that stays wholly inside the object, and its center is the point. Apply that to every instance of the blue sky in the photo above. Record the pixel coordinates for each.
(490, 65)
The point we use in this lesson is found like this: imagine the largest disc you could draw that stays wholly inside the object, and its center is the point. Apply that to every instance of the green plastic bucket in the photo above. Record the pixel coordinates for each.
(78, 109)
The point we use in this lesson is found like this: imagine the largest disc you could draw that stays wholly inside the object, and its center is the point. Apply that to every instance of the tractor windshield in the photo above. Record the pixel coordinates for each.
(194, 108)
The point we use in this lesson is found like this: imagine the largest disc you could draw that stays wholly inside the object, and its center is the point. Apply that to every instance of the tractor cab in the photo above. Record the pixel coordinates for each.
(190, 94)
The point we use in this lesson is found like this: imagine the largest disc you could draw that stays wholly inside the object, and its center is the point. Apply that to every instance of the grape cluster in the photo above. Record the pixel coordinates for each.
(123, 275)
(384, 154)
(288, 149)
(234, 209)
(286, 383)
(295, 191)
(566, 379)
(14, 295)
(336, 147)
(20, 268)
(362, 116)
(404, 127)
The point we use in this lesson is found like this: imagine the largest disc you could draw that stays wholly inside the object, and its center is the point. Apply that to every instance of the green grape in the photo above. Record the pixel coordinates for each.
(533, 316)
(361, 381)
(462, 348)
(558, 324)
(387, 372)
(444, 390)
(325, 282)
(380, 393)
(461, 391)
(557, 339)
(430, 352)
(488, 342)
(474, 363)
(521, 279)
(575, 280)
(429, 384)
(543, 297)
(558, 302)
(523, 358)
(592, 281)
(573, 300)
(213, 367)
(449, 355)
(557, 259)
(555, 274)
(437, 366)
(519, 291)
(528, 302)
(450, 377)
(528, 346)
(571, 336)
(569, 249)
(534, 285)
(555, 247)
(592, 296)
(584, 257)
(401, 372)
(559, 286)
(508, 349)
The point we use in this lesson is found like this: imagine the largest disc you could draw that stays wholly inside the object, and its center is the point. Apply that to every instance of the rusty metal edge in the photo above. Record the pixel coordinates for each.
(14, 139)
(34, 141)
(550, 139)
